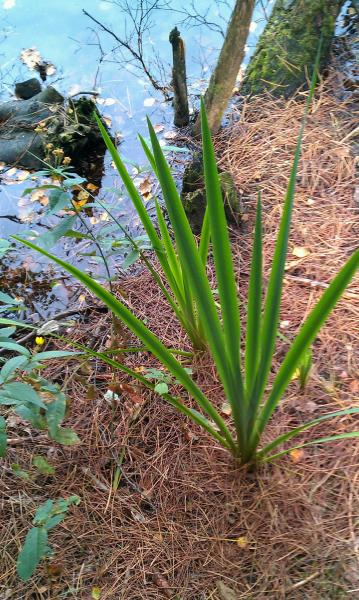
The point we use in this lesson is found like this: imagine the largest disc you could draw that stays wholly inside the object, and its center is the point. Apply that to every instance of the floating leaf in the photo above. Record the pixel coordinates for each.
(106, 101)
(31, 57)
(149, 101)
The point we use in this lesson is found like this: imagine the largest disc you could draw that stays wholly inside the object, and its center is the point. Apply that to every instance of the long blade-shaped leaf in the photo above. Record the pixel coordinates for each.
(323, 440)
(205, 238)
(254, 306)
(222, 254)
(281, 439)
(144, 334)
(132, 191)
(185, 300)
(148, 153)
(275, 285)
(191, 263)
(168, 246)
(306, 336)
(141, 210)
(227, 288)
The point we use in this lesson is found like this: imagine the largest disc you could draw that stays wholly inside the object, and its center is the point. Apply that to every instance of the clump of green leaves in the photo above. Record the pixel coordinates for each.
(35, 547)
(162, 379)
(243, 360)
(31, 396)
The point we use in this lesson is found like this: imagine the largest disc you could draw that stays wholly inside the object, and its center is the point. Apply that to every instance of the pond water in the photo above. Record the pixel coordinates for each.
(84, 59)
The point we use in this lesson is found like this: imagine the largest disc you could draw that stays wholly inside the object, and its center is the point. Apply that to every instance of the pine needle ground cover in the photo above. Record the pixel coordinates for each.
(185, 522)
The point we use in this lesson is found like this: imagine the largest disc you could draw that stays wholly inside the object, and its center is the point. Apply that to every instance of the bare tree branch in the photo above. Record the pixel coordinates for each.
(133, 42)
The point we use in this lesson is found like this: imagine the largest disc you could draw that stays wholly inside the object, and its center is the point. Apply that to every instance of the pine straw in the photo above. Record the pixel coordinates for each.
(185, 521)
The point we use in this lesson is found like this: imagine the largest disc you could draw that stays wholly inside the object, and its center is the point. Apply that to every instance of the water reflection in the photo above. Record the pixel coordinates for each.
(82, 58)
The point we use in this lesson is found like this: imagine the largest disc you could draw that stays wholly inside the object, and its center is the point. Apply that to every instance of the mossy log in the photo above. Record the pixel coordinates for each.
(286, 51)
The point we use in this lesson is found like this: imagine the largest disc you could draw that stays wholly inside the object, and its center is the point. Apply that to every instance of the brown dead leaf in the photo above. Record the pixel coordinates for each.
(163, 584)
(145, 188)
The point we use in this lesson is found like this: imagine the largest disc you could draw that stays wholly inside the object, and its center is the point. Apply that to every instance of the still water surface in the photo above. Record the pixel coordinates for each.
(85, 61)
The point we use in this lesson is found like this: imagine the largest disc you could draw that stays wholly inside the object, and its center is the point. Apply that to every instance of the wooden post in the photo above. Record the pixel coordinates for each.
(180, 98)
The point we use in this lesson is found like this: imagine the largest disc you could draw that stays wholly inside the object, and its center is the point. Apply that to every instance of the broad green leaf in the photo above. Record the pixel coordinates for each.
(7, 332)
(5, 245)
(6, 299)
(130, 259)
(9, 368)
(58, 200)
(49, 354)
(55, 414)
(32, 414)
(15, 347)
(50, 238)
(16, 323)
(161, 388)
(65, 436)
(19, 472)
(44, 512)
(22, 392)
(33, 550)
(3, 437)
(42, 465)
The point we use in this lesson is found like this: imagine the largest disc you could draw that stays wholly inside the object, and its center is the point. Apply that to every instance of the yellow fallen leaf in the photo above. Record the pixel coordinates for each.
(242, 541)
(92, 187)
(300, 251)
(96, 593)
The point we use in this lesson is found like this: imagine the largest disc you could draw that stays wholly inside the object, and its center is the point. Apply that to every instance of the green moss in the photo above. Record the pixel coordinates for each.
(286, 51)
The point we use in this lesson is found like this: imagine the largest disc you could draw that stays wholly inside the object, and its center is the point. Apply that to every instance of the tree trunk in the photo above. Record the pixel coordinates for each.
(180, 98)
(224, 77)
(286, 51)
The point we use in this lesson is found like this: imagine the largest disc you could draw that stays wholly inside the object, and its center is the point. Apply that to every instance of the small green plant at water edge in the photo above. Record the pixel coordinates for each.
(30, 396)
(244, 380)
(35, 547)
